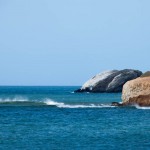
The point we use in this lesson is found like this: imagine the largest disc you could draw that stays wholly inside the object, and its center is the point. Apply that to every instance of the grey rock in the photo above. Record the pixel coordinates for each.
(146, 74)
(109, 81)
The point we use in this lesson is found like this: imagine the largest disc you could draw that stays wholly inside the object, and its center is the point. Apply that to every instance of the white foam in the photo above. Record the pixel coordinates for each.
(84, 106)
(140, 107)
(53, 103)
(63, 105)
(13, 100)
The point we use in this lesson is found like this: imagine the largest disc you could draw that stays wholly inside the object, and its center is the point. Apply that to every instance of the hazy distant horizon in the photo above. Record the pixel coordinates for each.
(67, 42)
(52, 85)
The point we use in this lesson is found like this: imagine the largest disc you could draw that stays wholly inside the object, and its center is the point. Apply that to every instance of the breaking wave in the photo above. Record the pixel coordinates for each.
(63, 105)
(17, 102)
(48, 102)
(52, 103)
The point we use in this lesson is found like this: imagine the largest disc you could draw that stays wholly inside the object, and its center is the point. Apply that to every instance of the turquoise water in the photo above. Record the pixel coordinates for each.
(57, 118)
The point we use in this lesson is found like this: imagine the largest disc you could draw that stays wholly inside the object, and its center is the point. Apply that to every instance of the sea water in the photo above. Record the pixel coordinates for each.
(57, 118)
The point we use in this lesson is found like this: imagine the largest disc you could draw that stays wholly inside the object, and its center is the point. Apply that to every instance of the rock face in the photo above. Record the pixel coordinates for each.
(146, 74)
(137, 91)
(109, 81)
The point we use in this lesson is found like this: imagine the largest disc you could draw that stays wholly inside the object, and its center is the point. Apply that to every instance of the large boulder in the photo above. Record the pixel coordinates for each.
(137, 91)
(109, 81)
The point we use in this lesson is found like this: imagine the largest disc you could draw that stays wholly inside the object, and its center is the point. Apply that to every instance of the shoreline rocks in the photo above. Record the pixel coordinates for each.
(109, 81)
(137, 91)
(116, 104)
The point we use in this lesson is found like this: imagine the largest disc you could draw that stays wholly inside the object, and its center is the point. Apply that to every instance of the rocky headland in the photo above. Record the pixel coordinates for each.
(109, 81)
(134, 85)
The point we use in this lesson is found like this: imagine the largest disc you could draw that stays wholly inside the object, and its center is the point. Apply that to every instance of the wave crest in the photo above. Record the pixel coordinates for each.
(9, 100)
(63, 105)
(20, 101)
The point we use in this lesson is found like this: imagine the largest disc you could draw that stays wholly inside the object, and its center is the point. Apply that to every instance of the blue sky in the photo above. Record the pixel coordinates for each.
(65, 42)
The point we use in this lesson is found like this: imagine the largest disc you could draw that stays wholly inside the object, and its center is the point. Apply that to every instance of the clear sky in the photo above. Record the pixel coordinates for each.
(65, 42)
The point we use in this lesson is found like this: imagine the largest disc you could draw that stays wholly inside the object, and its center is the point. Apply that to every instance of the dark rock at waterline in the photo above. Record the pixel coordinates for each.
(109, 81)
(116, 104)
(79, 91)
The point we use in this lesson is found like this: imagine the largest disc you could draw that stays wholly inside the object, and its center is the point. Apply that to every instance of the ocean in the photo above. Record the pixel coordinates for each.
(54, 117)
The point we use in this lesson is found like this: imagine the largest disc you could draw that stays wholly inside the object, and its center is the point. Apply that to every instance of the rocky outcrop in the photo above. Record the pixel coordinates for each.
(146, 74)
(109, 81)
(137, 91)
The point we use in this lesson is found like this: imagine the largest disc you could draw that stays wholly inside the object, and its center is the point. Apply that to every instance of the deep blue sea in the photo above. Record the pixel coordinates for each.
(51, 118)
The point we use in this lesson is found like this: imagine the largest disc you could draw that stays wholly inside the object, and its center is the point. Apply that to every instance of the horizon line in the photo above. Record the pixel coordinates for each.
(40, 85)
